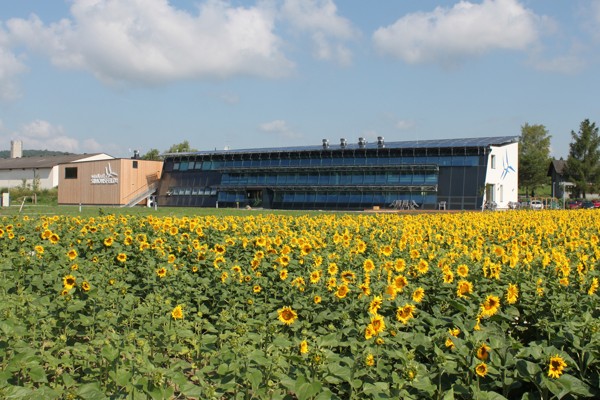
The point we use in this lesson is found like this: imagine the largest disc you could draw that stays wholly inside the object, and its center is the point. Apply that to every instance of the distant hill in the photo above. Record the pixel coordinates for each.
(35, 153)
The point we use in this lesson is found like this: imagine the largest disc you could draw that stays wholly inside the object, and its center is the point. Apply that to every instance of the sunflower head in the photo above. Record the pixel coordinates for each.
(556, 366)
(481, 369)
(286, 315)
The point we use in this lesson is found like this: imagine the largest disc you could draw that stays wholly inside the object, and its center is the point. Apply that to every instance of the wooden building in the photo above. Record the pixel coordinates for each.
(116, 182)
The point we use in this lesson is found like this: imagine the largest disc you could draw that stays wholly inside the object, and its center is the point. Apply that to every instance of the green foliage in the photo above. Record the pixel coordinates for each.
(35, 153)
(583, 163)
(46, 197)
(534, 156)
(152, 155)
(182, 147)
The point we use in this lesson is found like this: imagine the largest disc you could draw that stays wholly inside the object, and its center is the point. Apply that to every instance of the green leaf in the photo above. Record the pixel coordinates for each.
(191, 391)
(483, 395)
(121, 377)
(573, 386)
(528, 369)
(255, 377)
(377, 389)
(339, 371)
(110, 353)
(307, 390)
(223, 369)
(91, 391)
(68, 380)
(449, 395)
(330, 340)
(17, 393)
(37, 374)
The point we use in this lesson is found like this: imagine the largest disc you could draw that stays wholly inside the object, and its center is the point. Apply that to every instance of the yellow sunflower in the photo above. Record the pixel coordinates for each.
(481, 369)
(405, 313)
(464, 288)
(512, 294)
(490, 306)
(69, 282)
(342, 291)
(418, 295)
(177, 312)
(303, 347)
(483, 352)
(286, 315)
(556, 366)
(161, 272)
(72, 254)
(368, 265)
(375, 304)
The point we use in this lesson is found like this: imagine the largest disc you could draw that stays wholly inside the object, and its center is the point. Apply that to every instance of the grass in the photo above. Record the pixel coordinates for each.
(90, 211)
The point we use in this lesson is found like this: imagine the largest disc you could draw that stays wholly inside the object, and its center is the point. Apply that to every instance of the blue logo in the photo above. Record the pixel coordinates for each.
(507, 168)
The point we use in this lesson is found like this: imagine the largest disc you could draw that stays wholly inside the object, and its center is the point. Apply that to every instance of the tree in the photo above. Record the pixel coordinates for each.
(582, 167)
(182, 147)
(152, 154)
(534, 156)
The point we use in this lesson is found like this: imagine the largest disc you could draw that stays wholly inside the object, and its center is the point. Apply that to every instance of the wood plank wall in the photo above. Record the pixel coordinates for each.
(131, 181)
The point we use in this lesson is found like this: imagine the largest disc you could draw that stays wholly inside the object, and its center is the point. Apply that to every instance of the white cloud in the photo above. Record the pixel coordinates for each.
(150, 41)
(42, 135)
(405, 125)
(279, 128)
(327, 29)
(10, 67)
(449, 35)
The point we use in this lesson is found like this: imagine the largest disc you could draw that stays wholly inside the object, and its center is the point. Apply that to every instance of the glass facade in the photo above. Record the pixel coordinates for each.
(331, 178)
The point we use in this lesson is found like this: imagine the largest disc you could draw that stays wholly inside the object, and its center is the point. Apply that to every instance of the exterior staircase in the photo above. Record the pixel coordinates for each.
(138, 197)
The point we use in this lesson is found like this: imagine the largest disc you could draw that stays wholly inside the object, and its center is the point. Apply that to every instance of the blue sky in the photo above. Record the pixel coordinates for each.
(117, 75)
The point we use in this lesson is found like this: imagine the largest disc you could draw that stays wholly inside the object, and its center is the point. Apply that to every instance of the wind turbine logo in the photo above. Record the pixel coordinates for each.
(109, 172)
(507, 168)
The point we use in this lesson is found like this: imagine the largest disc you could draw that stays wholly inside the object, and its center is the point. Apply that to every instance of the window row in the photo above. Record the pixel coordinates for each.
(191, 191)
(181, 165)
(331, 178)
(333, 198)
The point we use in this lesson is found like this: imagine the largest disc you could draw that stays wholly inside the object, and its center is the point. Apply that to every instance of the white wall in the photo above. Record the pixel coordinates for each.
(503, 173)
(48, 176)
(13, 178)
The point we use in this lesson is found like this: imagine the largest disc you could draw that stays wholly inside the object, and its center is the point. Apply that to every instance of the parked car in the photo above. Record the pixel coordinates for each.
(596, 203)
(574, 204)
(536, 205)
(588, 204)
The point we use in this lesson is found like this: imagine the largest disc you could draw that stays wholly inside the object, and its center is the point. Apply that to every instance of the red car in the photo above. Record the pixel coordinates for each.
(574, 204)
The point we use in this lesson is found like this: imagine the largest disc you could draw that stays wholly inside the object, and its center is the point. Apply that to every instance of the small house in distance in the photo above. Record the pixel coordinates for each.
(40, 172)
(116, 182)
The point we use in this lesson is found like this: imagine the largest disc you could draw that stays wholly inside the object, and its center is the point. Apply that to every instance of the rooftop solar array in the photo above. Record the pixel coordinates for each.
(409, 144)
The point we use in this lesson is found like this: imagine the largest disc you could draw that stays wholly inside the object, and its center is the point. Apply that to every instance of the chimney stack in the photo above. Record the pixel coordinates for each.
(16, 149)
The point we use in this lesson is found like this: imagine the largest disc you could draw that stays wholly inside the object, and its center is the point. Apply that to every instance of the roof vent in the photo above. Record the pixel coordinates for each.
(362, 142)
(380, 142)
(343, 143)
(325, 144)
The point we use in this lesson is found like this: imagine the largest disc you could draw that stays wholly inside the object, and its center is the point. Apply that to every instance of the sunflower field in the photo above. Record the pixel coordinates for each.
(332, 306)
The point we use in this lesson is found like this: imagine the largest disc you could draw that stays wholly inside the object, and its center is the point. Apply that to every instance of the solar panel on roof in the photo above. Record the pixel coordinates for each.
(408, 144)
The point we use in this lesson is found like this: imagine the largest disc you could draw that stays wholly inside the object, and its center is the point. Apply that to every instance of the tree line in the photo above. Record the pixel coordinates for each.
(582, 167)
(155, 154)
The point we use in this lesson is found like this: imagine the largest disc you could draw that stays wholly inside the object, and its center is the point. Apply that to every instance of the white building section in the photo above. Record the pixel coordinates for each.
(40, 171)
(502, 176)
